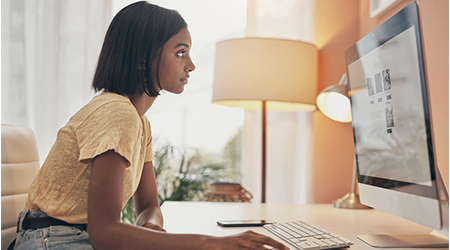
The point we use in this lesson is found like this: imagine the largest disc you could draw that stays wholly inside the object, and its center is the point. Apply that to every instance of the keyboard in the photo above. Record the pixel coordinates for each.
(304, 236)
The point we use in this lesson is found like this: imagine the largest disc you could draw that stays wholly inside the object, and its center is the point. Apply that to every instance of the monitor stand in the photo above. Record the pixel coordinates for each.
(437, 238)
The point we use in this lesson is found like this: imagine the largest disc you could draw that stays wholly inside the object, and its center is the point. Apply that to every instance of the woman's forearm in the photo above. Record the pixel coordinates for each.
(125, 236)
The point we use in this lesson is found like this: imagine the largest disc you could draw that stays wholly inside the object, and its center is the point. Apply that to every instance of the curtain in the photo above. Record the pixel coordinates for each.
(289, 135)
(49, 53)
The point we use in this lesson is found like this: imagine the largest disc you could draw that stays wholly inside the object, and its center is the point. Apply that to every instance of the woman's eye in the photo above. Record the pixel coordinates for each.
(181, 53)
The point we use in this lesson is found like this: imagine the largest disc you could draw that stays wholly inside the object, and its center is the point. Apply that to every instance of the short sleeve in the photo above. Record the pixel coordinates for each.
(149, 149)
(113, 126)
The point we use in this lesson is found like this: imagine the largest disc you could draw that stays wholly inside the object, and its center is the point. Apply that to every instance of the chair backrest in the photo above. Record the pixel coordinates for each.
(20, 163)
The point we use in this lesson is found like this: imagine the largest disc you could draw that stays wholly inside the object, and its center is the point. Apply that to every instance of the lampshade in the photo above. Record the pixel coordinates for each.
(334, 102)
(281, 72)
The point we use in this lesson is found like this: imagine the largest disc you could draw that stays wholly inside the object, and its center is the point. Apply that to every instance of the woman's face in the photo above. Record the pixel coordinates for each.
(175, 63)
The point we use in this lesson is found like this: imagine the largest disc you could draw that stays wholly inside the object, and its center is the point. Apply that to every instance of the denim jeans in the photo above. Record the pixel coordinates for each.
(53, 237)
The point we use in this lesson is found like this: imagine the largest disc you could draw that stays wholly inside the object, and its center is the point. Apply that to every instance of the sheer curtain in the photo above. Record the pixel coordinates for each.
(289, 135)
(49, 52)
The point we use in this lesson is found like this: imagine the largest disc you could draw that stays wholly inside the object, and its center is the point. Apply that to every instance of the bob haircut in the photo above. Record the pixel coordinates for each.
(135, 38)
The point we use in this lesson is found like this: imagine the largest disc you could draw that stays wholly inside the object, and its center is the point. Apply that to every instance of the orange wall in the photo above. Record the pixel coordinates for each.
(337, 28)
(339, 25)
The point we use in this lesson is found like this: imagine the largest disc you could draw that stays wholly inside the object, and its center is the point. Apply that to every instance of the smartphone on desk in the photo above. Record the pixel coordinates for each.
(243, 223)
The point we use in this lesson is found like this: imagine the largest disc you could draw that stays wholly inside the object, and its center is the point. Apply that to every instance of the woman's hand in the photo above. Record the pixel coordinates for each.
(153, 226)
(247, 240)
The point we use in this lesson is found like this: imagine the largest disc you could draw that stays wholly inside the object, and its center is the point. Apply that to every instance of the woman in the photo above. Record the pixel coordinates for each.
(103, 155)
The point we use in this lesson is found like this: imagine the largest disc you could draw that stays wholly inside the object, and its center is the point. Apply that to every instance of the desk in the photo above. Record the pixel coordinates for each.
(201, 218)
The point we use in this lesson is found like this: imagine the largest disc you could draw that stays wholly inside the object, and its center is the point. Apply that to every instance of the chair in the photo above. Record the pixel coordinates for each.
(20, 163)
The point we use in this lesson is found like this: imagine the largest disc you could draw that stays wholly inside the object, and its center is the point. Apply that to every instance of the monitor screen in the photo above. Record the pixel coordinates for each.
(391, 120)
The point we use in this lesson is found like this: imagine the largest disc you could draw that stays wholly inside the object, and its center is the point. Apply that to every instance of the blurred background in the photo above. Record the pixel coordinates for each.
(50, 49)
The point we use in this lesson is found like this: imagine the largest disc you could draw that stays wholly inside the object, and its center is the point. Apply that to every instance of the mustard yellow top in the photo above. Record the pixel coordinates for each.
(108, 122)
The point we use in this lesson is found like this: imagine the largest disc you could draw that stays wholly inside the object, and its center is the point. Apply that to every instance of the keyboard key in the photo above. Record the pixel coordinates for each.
(321, 243)
(331, 243)
(309, 245)
(298, 240)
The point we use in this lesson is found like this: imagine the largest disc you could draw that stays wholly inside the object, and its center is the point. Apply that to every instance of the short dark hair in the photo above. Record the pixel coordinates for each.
(135, 37)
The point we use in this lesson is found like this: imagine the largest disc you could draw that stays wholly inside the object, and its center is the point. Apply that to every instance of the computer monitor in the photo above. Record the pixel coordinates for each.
(392, 128)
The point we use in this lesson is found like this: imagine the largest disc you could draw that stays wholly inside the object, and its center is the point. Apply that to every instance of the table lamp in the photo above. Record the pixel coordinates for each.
(268, 75)
(334, 103)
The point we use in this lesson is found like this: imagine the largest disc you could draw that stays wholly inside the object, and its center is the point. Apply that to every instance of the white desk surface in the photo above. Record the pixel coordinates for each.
(201, 218)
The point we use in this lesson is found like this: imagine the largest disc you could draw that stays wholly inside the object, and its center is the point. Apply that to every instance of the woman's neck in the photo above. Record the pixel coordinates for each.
(142, 103)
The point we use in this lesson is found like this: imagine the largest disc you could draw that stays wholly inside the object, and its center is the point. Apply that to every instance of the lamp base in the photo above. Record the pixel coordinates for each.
(350, 201)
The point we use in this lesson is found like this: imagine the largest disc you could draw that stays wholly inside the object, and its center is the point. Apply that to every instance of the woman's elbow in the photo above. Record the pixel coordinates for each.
(95, 237)
(100, 236)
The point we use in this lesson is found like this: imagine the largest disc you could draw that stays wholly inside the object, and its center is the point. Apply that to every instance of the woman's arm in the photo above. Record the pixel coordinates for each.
(146, 201)
(107, 232)
(104, 207)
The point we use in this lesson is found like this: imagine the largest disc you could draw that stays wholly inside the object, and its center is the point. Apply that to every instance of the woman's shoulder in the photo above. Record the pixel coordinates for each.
(105, 98)
(110, 102)
(107, 107)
